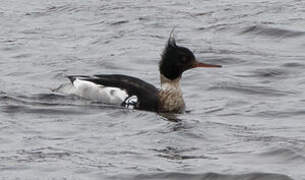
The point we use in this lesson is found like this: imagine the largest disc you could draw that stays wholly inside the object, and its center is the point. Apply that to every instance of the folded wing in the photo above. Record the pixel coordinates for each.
(117, 89)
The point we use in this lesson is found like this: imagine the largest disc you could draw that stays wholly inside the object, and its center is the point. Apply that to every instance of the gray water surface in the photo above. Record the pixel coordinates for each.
(246, 120)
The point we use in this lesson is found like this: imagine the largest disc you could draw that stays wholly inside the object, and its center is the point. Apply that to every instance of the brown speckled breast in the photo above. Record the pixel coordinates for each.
(171, 102)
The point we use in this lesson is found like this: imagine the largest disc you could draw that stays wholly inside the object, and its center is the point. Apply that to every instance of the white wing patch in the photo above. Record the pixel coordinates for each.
(131, 102)
(92, 91)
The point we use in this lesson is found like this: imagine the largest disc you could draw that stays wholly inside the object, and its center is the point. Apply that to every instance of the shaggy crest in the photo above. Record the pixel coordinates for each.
(175, 59)
(171, 40)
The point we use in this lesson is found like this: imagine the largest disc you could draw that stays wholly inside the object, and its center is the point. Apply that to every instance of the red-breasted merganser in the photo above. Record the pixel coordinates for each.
(134, 93)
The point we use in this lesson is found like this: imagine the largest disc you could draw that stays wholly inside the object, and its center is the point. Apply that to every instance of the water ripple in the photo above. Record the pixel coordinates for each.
(271, 31)
(206, 176)
(249, 89)
(284, 155)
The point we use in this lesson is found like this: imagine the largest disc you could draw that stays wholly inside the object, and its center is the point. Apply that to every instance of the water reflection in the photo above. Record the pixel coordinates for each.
(170, 117)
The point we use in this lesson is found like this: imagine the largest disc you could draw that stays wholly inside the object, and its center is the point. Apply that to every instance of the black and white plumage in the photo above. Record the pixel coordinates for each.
(131, 92)
(117, 89)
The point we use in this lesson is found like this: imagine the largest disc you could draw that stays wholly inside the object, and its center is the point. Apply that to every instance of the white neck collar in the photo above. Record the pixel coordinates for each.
(168, 84)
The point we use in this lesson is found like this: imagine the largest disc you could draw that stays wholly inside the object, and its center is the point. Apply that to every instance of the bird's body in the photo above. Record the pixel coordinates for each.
(132, 92)
(117, 89)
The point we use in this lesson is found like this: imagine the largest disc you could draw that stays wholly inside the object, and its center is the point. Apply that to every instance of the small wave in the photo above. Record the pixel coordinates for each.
(270, 73)
(293, 65)
(35, 110)
(42, 154)
(271, 31)
(205, 176)
(119, 22)
(172, 153)
(70, 8)
(185, 157)
(267, 73)
(249, 89)
(284, 155)
(49, 104)
(39, 99)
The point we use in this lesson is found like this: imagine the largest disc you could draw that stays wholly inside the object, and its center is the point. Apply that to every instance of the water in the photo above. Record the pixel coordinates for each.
(246, 120)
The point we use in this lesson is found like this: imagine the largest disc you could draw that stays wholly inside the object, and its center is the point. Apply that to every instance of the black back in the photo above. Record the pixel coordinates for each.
(147, 94)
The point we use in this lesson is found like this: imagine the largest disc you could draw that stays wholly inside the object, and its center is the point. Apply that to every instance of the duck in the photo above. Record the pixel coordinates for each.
(134, 93)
